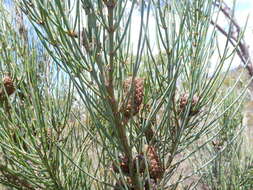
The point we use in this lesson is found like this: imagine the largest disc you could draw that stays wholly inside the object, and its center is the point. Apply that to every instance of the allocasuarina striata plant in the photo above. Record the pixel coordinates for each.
(115, 106)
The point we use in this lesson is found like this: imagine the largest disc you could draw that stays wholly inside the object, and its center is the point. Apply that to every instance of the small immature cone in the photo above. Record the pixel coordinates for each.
(8, 86)
(183, 101)
(156, 169)
(139, 164)
(72, 34)
(123, 165)
(217, 144)
(134, 102)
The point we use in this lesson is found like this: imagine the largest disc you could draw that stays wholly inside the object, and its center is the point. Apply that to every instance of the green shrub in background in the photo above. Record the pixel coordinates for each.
(91, 112)
(233, 164)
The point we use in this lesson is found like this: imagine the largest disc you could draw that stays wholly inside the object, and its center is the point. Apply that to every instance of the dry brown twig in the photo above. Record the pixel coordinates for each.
(234, 36)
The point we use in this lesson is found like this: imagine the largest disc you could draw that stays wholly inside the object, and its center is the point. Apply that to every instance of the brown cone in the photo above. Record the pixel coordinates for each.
(183, 101)
(135, 99)
(8, 86)
(156, 170)
(138, 164)
(123, 165)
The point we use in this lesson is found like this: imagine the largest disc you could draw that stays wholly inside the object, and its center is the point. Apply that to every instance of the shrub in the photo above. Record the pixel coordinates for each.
(114, 117)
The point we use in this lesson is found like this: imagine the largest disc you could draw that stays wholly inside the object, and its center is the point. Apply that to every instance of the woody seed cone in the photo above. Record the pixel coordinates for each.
(134, 102)
(123, 165)
(8, 86)
(156, 170)
(184, 100)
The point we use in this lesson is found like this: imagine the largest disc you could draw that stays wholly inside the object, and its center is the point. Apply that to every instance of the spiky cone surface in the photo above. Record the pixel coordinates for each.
(8, 86)
(134, 102)
(156, 169)
(138, 165)
(123, 165)
(184, 100)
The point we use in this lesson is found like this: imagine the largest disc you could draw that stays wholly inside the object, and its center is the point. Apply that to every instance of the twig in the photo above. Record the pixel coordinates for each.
(243, 50)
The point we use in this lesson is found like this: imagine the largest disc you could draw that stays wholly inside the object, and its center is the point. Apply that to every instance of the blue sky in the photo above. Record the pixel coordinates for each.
(244, 8)
(243, 5)
(243, 11)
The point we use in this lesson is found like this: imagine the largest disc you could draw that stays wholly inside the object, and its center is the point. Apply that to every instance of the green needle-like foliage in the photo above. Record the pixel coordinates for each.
(93, 109)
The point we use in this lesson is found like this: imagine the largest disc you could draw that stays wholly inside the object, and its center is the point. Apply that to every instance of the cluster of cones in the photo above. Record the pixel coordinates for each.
(134, 88)
(184, 100)
(149, 162)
